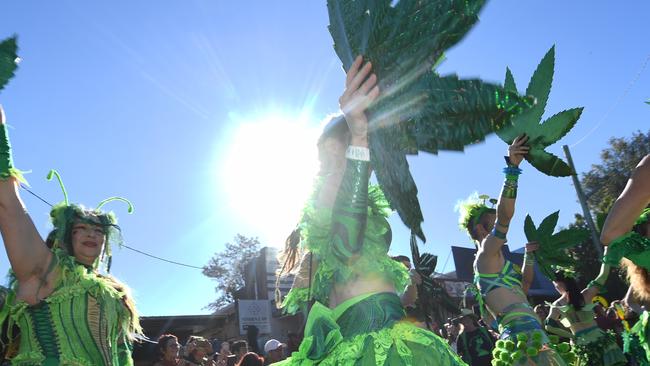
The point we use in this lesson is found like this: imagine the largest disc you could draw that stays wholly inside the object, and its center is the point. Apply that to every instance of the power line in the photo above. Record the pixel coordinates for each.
(123, 245)
(616, 103)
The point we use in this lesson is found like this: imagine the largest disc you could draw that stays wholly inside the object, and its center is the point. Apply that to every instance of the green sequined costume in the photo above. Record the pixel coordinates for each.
(348, 241)
(87, 320)
(83, 322)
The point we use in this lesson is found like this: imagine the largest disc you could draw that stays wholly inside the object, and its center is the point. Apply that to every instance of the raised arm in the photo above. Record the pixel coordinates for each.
(25, 248)
(628, 206)
(598, 284)
(528, 268)
(350, 210)
(506, 206)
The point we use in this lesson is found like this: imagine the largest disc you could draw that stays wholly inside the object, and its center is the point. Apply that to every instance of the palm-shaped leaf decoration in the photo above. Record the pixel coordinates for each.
(433, 299)
(8, 60)
(553, 248)
(418, 110)
(540, 136)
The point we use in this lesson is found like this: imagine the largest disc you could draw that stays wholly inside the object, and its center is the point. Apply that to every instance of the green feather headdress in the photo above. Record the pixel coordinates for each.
(64, 214)
(472, 208)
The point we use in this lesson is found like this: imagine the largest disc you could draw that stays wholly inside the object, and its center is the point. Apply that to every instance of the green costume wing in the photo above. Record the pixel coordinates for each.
(418, 110)
(548, 132)
(8, 60)
(553, 247)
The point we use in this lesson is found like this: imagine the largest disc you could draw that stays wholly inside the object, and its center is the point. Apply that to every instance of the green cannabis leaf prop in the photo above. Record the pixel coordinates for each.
(553, 248)
(418, 110)
(8, 60)
(548, 132)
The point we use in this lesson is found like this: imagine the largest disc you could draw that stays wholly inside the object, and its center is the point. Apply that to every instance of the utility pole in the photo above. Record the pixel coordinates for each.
(595, 237)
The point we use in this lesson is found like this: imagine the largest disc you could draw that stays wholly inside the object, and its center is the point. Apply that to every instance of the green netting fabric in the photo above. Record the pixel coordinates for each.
(368, 330)
(373, 258)
(641, 332)
(598, 348)
(632, 246)
(86, 315)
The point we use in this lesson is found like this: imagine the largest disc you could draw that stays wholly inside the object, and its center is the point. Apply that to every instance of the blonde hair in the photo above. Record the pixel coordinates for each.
(639, 279)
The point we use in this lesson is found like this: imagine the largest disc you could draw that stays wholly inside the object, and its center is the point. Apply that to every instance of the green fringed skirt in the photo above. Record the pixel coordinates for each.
(598, 348)
(368, 330)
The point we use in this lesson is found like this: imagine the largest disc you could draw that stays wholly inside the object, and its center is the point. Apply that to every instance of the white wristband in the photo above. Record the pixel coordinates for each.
(358, 153)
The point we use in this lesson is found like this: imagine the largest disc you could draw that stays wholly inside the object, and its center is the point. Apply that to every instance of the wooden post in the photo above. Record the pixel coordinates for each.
(595, 237)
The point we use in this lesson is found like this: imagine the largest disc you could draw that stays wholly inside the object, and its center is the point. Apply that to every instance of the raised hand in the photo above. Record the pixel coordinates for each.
(518, 150)
(360, 91)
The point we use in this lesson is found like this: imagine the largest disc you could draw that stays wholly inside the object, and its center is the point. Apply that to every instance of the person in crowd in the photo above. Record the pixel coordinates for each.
(252, 332)
(474, 343)
(340, 251)
(239, 349)
(501, 284)
(542, 311)
(221, 357)
(251, 359)
(293, 341)
(273, 351)
(197, 352)
(626, 233)
(67, 308)
(575, 310)
(452, 328)
(167, 350)
(410, 296)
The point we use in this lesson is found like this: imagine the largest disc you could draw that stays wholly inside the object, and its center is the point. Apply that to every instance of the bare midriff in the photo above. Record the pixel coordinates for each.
(361, 285)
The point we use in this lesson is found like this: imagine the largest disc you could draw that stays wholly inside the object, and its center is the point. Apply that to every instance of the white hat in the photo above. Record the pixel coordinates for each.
(272, 345)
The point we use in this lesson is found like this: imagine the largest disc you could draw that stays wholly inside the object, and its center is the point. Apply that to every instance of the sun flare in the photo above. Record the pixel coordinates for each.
(268, 171)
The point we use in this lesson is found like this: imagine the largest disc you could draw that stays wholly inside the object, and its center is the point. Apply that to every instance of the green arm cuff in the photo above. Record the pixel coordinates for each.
(599, 282)
(350, 212)
(7, 169)
(632, 246)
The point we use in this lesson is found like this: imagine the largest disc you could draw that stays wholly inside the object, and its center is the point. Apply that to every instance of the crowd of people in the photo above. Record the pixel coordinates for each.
(200, 351)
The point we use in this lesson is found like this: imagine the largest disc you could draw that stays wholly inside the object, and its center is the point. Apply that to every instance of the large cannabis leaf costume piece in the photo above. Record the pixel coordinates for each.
(8, 60)
(553, 248)
(548, 132)
(418, 110)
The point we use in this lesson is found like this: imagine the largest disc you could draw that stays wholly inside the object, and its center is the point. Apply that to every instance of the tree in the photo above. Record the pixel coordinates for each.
(227, 268)
(605, 181)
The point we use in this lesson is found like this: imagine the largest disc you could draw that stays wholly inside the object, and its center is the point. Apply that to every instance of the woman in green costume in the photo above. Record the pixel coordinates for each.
(574, 310)
(341, 247)
(67, 312)
(501, 284)
(626, 233)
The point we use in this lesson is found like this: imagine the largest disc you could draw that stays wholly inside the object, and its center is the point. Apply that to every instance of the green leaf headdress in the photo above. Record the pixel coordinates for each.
(8, 60)
(63, 216)
(548, 132)
(552, 253)
(418, 109)
(472, 208)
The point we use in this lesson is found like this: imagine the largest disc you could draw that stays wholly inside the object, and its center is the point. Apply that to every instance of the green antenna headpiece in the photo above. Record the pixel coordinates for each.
(64, 215)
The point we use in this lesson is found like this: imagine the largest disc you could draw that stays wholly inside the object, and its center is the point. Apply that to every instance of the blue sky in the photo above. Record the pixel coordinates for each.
(174, 105)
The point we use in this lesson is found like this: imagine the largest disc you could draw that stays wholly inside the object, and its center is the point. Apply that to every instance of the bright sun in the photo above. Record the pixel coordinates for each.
(268, 171)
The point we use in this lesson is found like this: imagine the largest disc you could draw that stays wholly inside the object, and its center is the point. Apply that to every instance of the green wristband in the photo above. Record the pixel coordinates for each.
(7, 169)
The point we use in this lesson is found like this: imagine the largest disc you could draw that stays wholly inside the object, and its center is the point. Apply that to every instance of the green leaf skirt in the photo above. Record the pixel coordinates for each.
(368, 330)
